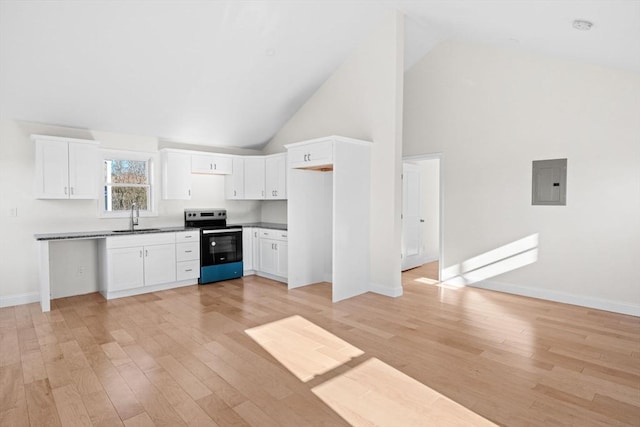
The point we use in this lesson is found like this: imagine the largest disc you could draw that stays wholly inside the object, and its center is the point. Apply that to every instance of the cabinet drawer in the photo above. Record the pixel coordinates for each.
(268, 233)
(311, 155)
(188, 251)
(140, 240)
(188, 236)
(188, 270)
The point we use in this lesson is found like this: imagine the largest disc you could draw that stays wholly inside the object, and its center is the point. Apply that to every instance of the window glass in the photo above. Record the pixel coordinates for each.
(126, 182)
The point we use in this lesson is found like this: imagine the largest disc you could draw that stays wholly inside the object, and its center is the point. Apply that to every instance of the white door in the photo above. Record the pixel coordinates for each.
(268, 256)
(126, 269)
(283, 254)
(276, 177)
(247, 248)
(411, 220)
(176, 176)
(254, 178)
(159, 264)
(54, 181)
(83, 167)
(234, 183)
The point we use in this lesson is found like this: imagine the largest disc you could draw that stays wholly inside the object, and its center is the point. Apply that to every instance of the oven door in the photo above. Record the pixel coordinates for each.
(220, 246)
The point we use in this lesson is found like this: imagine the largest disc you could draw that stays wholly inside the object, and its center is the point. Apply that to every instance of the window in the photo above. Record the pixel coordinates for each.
(127, 179)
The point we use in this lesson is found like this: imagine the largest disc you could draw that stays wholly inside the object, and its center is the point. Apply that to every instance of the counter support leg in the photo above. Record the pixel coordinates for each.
(45, 284)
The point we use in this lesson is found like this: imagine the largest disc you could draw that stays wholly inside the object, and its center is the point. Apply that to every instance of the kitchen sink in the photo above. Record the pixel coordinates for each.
(137, 230)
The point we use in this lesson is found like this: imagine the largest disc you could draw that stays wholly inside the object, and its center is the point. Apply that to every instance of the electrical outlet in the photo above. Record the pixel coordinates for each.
(80, 271)
(13, 212)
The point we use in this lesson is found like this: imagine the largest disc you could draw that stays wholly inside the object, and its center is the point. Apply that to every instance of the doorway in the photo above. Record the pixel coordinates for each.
(422, 214)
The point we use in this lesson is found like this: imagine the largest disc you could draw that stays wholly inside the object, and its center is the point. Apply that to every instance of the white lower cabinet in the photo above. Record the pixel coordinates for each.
(135, 264)
(125, 268)
(273, 253)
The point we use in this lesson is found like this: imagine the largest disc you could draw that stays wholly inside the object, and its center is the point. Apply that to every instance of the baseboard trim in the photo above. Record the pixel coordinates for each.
(272, 277)
(563, 297)
(431, 259)
(19, 299)
(385, 290)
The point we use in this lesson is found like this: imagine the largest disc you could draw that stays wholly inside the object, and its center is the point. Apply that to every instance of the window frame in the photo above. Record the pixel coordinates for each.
(152, 162)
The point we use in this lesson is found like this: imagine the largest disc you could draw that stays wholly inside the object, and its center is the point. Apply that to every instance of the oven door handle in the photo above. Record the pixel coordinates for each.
(222, 230)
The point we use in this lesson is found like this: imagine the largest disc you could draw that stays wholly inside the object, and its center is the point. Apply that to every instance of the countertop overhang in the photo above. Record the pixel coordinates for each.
(107, 233)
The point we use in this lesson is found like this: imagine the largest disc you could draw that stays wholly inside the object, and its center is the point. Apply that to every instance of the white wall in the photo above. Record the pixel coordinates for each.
(492, 112)
(18, 266)
(363, 100)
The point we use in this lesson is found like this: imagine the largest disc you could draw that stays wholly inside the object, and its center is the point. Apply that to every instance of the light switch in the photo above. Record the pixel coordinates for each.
(549, 182)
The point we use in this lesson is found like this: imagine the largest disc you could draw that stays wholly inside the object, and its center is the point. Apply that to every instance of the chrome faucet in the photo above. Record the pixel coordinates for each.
(134, 220)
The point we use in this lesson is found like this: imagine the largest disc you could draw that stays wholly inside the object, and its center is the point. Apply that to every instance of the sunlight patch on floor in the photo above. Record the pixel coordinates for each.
(427, 281)
(371, 394)
(437, 283)
(374, 393)
(302, 347)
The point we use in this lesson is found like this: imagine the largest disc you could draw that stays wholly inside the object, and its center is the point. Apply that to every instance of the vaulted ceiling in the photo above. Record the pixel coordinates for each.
(231, 73)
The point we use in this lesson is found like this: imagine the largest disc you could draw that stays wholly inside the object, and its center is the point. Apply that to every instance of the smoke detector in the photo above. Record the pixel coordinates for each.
(582, 25)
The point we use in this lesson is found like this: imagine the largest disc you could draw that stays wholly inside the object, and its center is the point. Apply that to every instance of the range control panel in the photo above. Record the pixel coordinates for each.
(204, 214)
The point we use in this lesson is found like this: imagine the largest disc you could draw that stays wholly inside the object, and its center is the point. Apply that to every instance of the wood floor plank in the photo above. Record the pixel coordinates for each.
(100, 409)
(71, 408)
(140, 420)
(41, 405)
(10, 346)
(33, 368)
(12, 391)
(182, 376)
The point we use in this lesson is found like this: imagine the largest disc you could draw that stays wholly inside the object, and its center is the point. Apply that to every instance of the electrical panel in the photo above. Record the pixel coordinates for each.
(549, 182)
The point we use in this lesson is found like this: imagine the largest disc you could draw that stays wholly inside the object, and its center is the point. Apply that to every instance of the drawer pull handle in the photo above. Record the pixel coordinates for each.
(188, 252)
(188, 269)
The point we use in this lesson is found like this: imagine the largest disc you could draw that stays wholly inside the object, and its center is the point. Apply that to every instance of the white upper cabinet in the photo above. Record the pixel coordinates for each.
(234, 183)
(254, 185)
(66, 168)
(276, 177)
(211, 164)
(258, 178)
(176, 175)
(314, 154)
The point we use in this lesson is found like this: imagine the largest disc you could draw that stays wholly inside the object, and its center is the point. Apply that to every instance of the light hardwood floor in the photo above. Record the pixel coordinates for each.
(182, 357)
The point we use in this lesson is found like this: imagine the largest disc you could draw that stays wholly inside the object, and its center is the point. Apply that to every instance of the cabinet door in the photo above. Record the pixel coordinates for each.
(276, 177)
(247, 248)
(125, 268)
(268, 256)
(83, 171)
(234, 183)
(255, 247)
(254, 178)
(176, 176)
(211, 164)
(282, 249)
(311, 155)
(52, 170)
(159, 264)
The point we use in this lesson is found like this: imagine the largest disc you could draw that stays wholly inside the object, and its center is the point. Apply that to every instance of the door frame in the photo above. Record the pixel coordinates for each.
(435, 156)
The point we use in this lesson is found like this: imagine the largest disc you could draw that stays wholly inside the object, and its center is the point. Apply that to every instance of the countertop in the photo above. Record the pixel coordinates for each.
(107, 233)
(271, 225)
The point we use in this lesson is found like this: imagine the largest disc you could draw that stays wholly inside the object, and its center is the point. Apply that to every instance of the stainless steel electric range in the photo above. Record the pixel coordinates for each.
(220, 245)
